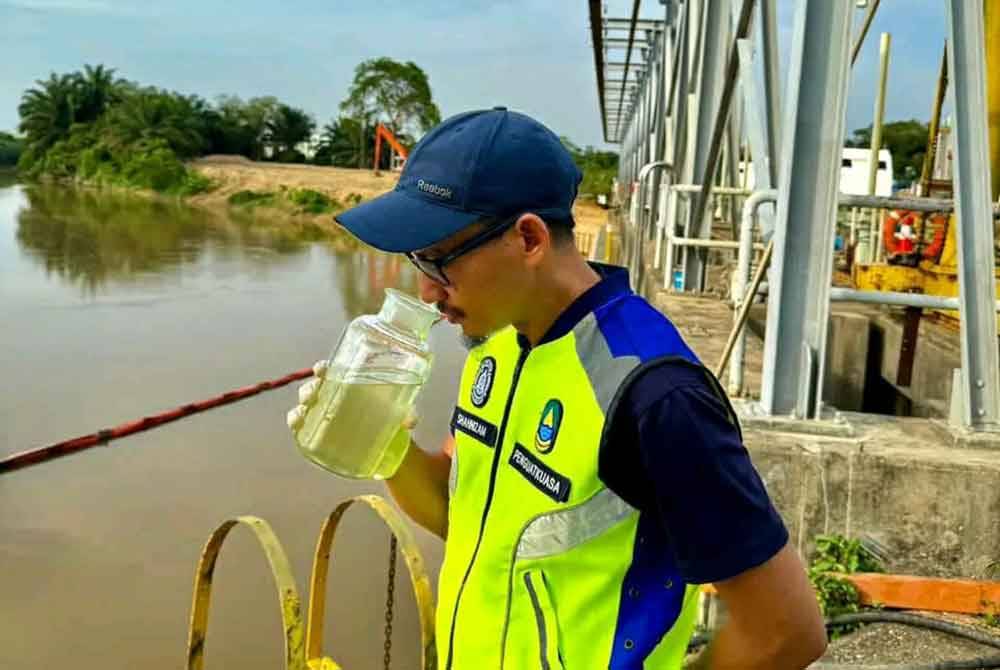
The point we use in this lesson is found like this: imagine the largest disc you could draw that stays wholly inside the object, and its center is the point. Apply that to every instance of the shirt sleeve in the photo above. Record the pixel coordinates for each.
(712, 503)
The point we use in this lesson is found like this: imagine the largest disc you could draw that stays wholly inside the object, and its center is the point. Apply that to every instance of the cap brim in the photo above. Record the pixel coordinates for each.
(398, 223)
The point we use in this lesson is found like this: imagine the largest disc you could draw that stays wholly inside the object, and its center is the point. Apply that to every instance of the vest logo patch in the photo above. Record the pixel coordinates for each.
(539, 475)
(548, 426)
(474, 427)
(483, 383)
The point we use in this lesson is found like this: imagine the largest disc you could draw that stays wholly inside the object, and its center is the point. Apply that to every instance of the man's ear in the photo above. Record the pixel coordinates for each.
(534, 238)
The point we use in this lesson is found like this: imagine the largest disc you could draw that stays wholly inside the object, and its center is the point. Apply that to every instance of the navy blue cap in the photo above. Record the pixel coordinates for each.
(489, 163)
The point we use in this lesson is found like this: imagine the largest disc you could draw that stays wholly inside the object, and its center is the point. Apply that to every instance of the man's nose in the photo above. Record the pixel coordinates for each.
(429, 290)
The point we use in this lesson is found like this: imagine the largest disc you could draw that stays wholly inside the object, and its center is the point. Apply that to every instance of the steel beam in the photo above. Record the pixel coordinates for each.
(975, 233)
(799, 299)
(715, 24)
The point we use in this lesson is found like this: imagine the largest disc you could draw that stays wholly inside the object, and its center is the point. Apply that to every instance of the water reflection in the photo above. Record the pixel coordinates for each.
(8, 177)
(90, 238)
(364, 275)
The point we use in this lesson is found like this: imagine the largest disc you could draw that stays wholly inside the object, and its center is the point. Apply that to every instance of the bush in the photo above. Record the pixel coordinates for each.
(837, 554)
(251, 198)
(312, 201)
(597, 180)
(194, 183)
(154, 166)
(10, 150)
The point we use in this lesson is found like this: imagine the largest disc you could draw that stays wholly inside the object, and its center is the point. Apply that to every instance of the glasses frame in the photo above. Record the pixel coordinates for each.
(434, 267)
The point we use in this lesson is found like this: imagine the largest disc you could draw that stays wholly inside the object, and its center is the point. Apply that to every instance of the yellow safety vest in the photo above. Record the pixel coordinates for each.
(544, 566)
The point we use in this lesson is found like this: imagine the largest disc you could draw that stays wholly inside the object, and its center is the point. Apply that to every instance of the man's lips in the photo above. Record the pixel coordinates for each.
(452, 315)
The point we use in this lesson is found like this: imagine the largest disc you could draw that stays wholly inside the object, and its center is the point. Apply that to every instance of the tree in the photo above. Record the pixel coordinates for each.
(907, 140)
(599, 167)
(286, 128)
(97, 89)
(152, 114)
(395, 94)
(47, 111)
(10, 149)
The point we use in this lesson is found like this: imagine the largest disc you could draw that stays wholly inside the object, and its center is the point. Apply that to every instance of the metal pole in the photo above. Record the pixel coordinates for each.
(799, 302)
(768, 39)
(721, 117)
(932, 133)
(897, 299)
(869, 15)
(876, 142)
(711, 89)
(741, 317)
(757, 127)
(975, 233)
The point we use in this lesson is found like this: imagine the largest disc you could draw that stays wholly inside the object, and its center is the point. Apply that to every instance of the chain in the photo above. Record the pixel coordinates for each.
(390, 593)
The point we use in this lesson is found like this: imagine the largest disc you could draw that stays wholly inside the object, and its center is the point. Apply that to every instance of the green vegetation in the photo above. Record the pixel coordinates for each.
(907, 140)
(599, 168)
(92, 126)
(304, 200)
(838, 554)
(96, 127)
(10, 149)
(251, 198)
(312, 202)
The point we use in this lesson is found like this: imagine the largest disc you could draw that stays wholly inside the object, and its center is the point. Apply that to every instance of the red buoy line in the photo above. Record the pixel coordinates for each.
(106, 435)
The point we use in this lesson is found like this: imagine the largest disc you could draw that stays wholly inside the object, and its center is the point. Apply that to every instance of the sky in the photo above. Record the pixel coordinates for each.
(533, 56)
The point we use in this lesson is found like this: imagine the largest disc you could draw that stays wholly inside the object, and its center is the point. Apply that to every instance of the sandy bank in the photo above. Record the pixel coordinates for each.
(342, 185)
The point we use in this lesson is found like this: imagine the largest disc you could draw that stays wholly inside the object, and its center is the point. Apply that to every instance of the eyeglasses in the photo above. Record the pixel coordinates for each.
(434, 267)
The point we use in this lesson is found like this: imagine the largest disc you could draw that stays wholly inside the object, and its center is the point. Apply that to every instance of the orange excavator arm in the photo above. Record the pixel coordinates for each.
(383, 133)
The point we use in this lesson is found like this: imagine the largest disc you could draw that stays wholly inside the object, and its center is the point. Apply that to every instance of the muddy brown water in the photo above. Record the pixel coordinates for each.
(113, 307)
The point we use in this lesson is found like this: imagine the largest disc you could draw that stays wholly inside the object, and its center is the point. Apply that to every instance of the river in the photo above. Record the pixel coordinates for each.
(113, 307)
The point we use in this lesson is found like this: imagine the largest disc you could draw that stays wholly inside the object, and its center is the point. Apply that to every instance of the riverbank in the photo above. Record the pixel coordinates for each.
(269, 190)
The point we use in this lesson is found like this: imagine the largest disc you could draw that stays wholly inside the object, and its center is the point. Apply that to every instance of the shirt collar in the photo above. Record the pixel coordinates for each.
(613, 283)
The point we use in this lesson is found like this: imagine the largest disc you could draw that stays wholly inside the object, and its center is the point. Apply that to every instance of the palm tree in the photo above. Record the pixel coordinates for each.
(97, 89)
(288, 127)
(47, 111)
(149, 114)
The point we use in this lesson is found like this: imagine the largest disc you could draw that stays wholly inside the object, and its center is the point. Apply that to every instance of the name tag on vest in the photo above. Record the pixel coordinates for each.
(541, 476)
(474, 427)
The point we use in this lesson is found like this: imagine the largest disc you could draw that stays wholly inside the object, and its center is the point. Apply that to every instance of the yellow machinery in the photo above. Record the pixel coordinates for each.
(303, 640)
(939, 276)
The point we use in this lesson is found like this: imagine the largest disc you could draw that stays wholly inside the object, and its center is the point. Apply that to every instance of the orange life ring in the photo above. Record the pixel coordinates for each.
(896, 219)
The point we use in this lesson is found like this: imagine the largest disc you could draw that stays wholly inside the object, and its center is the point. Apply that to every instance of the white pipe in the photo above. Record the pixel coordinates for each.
(711, 244)
(669, 229)
(661, 223)
(838, 294)
(636, 248)
(747, 221)
(716, 190)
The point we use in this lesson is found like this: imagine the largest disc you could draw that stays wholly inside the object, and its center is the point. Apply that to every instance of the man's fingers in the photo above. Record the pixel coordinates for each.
(308, 391)
(295, 416)
(410, 422)
(319, 367)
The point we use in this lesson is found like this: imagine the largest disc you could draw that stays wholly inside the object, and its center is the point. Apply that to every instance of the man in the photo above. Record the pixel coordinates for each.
(598, 474)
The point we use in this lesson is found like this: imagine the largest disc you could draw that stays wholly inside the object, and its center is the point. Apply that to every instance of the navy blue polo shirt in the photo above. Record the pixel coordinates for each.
(673, 451)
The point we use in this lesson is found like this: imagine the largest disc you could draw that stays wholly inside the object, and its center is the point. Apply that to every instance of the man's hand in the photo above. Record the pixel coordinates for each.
(773, 620)
(307, 392)
(420, 485)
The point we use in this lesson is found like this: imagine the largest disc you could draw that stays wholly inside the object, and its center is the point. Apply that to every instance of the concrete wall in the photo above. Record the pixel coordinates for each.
(935, 507)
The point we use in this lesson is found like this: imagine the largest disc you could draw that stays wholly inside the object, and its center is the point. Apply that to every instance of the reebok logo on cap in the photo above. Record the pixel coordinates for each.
(440, 191)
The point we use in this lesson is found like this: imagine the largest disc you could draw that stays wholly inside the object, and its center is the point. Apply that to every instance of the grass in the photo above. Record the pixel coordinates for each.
(250, 198)
(312, 202)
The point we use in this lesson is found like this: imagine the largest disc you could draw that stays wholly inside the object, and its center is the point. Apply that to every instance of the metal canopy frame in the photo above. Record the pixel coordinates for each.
(664, 89)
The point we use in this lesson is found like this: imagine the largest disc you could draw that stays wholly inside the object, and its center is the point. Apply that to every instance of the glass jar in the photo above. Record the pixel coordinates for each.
(355, 409)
